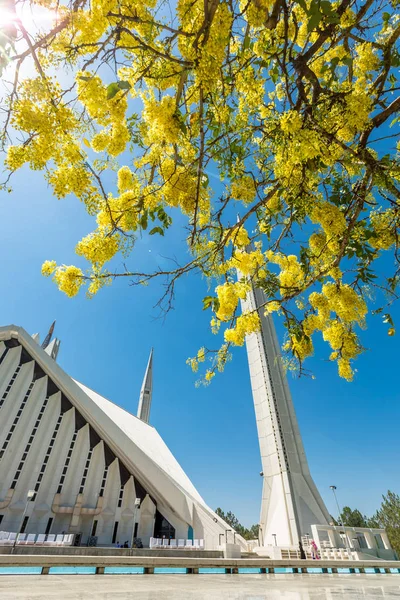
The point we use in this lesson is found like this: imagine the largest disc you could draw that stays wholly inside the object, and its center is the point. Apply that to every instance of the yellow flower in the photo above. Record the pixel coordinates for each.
(69, 279)
(209, 375)
(243, 189)
(291, 122)
(48, 267)
(245, 325)
(201, 355)
(125, 179)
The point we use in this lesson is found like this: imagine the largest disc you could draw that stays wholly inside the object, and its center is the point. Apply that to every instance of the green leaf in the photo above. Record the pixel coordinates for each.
(388, 319)
(84, 78)
(158, 230)
(112, 90)
(207, 302)
(326, 7)
(143, 221)
(124, 85)
(314, 20)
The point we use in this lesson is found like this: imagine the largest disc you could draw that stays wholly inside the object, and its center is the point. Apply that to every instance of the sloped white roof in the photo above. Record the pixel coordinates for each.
(147, 439)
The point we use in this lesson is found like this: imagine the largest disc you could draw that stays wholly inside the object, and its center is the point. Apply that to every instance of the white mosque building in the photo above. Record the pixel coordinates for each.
(95, 470)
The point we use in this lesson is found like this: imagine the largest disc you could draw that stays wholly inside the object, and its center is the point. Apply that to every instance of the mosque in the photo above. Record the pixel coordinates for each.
(72, 461)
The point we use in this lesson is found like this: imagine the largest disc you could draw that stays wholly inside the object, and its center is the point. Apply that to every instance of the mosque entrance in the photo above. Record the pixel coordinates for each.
(163, 528)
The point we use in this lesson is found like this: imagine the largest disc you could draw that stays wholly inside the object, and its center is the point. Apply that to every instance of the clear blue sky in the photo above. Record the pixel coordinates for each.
(350, 430)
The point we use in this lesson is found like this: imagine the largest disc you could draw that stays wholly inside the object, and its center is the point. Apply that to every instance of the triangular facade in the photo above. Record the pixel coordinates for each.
(87, 460)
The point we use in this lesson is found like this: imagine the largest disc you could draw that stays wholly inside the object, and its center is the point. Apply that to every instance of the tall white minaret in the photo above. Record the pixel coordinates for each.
(143, 412)
(291, 502)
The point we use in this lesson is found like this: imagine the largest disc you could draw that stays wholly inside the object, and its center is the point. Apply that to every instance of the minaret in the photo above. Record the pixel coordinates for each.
(291, 502)
(53, 348)
(143, 412)
(47, 339)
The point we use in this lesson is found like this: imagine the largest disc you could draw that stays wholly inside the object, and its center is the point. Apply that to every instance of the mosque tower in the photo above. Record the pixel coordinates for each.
(291, 502)
(143, 412)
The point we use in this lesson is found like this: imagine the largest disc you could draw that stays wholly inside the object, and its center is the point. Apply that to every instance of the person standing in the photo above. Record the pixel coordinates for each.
(314, 550)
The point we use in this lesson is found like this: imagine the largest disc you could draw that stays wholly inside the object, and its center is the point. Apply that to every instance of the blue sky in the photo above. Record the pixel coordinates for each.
(350, 430)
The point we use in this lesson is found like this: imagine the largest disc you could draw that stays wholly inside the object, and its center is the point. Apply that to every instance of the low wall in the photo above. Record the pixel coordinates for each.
(116, 552)
(192, 564)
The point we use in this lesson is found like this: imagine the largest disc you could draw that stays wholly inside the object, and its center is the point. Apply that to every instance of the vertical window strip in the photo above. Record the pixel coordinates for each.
(94, 527)
(114, 537)
(121, 495)
(47, 457)
(67, 462)
(48, 526)
(12, 380)
(29, 444)
(2, 357)
(85, 471)
(17, 418)
(24, 524)
(103, 481)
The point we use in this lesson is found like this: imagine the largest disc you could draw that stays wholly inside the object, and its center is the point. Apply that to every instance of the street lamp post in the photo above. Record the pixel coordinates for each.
(29, 496)
(137, 504)
(340, 517)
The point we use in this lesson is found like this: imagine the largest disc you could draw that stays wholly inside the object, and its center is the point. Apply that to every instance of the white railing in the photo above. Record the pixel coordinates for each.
(10, 538)
(181, 544)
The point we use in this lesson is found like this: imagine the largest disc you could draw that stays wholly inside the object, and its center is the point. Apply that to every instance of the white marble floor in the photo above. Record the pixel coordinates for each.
(199, 587)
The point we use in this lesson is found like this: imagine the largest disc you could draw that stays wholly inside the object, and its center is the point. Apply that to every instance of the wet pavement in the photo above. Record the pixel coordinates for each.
(199, 587)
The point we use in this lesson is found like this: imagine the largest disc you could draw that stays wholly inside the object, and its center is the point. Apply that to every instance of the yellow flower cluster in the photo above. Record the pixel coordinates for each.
(239, 237)
(122, 212)
(69, 279)
(98, 247)
(384, 225)
(125, 179)
(213, 51)
(366, 59)
(180, 188)
(349, 308)
(255, 13)
(243, 189)
(161, 120)
(246, 324)
(291, 276)
(107, 112)
(333, 222)
(209, 375)
(301, 346)
(48, 267)
(247, 262)
(291, 122)
(228, 297)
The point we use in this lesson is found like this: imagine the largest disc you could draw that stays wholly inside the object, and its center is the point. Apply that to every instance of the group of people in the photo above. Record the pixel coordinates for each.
(124, 545)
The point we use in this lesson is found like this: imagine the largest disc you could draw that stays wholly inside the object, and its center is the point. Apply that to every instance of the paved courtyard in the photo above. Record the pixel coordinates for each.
(199, 587)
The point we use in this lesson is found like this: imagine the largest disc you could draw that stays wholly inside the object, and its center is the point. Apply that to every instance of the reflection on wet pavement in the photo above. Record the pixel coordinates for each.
(199, 587)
